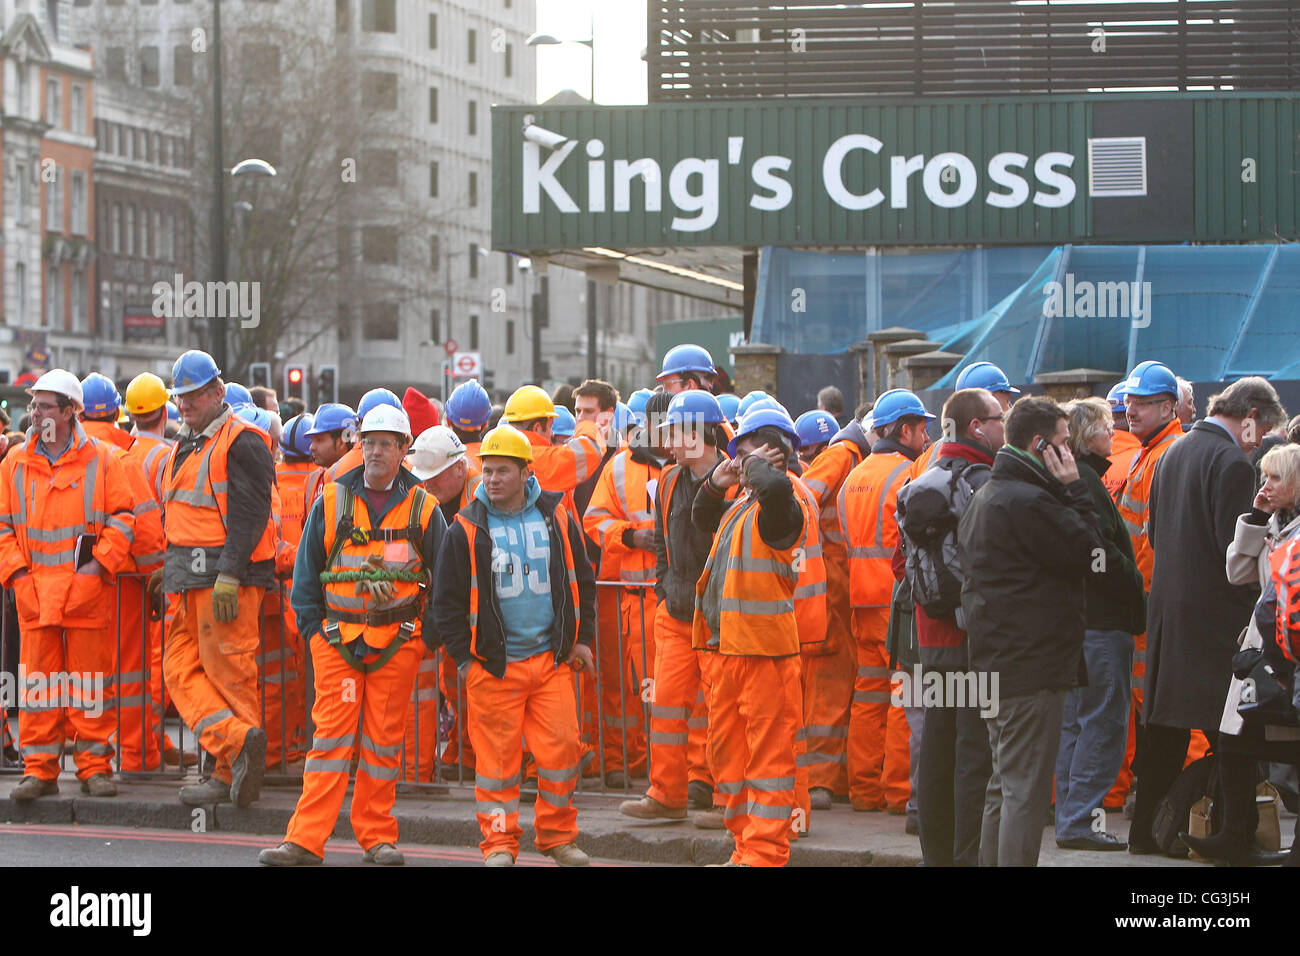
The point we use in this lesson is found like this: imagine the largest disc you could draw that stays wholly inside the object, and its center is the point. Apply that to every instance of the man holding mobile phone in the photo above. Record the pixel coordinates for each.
(1027, 542)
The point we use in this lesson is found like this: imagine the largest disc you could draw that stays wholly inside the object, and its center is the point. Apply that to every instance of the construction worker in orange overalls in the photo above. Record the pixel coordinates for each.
(745, 611)
(333, 437)
(66, 526)
(1125, 446)
(218, 494)
(878, 734)
(515, 601)
(138, 694)
(360, 591)
(438, 460)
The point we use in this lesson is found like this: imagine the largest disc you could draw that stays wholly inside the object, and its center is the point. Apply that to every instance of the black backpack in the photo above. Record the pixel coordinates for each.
(1198, 779)
(929, 509)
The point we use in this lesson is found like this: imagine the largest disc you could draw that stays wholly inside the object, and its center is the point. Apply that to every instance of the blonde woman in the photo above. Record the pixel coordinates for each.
(1095, 726)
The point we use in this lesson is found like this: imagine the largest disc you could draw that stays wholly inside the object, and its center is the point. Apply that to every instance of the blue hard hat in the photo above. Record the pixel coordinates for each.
(758, 418)
(895, 404)
(376, 397)
(637, 402)
(333, 417)
(237, 395)
(686, 358)
(562, 425)
(767, 401)
(99, 394)
(296, 438)
(192, 371)
(1116, 397)
(623, 417)
(730, 405)
(258, 416)
(173, 413)
(985, 375)
(693, 407)
(469, 406)
(1150, 378)
(815, 427)
(757, 395)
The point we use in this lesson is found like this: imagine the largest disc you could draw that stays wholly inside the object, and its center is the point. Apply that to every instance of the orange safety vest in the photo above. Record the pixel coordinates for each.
(755, 593)
(291, 478)
(1124, 447)
(394, 546)
(471, 456)
(925, 459)
(1284, 565)
(810, 596)
(561, 526)
(616, 506)
(150, 545)
(194, 496)
(867, 501)
(107, 432)
(664, 500)
(563, 467)
(151, 452)
(1136, 492)
(825, 477)
(350, 459)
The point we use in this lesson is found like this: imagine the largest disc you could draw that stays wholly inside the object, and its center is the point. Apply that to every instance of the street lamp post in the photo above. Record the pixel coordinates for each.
(218, 192)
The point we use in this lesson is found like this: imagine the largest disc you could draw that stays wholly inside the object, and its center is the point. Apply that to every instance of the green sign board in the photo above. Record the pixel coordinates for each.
(716, 335)
(1017, 170)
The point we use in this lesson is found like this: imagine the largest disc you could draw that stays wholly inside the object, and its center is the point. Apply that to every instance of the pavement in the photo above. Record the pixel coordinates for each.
(444, 817)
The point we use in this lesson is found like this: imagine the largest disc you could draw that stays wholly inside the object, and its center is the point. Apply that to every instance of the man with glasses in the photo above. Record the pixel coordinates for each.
(686, 367)
(221, 538)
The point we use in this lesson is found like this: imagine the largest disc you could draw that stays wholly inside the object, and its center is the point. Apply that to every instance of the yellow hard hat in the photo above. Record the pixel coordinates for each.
(527, 403)
(146, 393)
(506, 441)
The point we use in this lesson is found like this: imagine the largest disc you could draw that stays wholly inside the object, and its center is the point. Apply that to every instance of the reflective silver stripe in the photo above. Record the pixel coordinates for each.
(144, 507)
(491, 783)
(278, 654)
(280, 678)
(732, 812)
(669, 713)
(622, 721)
(9, 518)
(668, 740)
(1138, 683)
(429, 665)
(490, 807)
(331, 743)
(377, 750)
(427, 693)
(1135, 530)
(55, 749)
(211, 719)
(88, 489)
(805, 591)
(56, 560)
(731, 788)
(813, 550)
(316, 765)
(771, 784)
(558, 776)
(99, 750)
(871, 697)
(558, 800)
(117, 524)
(1137, 507)
(632, 574)
(139, 700)
(815, 757)
(579, 448)
(856, 552)
(619, 469)
(54, 535)
(819, 488)
(196, 498)
(820, 730)
(1139, 657)
(743, 606)
(698, 723)
(153, 557)
(130, 676)
(377, 773)
(767, 811)
(875, 672)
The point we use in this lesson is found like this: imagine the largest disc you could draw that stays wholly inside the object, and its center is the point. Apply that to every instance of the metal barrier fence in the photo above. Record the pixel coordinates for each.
(623, 654)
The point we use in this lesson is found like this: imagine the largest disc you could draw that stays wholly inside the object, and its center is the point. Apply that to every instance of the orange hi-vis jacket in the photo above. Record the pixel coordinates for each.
(825, 477)
(471, 456)
(1136, 492)
(319, 478)
(152, 452)
(925, 459)
(394, 546)
(1284, 568)
(194, 496)
(107, 432)
(44, 509)
(150, 544)
(623, 501)
(752, 585)
(810, 594)
(867, 502)
(291, 480)
(1124, 448)
(564, 467)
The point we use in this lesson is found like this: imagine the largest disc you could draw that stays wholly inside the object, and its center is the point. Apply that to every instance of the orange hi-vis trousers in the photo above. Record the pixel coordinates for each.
(755, 712)
(878, 733)
(677, 749)
(829, 672)
(349, 701)
(140, 697)
(459, 751)
(533, 702)
(419, 755)
(618, 673)
(68, 676)
(211, 670)
(284, 684)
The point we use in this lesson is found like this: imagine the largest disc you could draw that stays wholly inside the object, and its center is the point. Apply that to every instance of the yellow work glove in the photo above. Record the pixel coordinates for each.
(225, 598)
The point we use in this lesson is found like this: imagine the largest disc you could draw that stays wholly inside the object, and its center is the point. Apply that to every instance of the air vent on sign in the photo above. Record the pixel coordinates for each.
(1117, 166)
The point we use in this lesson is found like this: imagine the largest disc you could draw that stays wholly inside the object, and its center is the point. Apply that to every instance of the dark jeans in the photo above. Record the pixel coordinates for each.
(1163, 754)
(955, 765)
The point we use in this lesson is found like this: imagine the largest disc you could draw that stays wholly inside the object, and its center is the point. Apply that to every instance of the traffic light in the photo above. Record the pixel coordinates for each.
(327, 384)
(295, 382)
(259, 375)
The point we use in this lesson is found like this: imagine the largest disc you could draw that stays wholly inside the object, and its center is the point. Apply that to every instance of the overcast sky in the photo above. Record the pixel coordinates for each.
(620, 38)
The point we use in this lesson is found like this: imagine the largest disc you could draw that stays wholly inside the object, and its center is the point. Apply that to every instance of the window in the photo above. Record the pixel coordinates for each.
(342, 16)
(473, 333)
(114, 138)
(379, 245)
(510, 336)
(379, 91)
(435, 325)
(20, 288)
(53, 298)
(435, 254)
(79, 203)
(379, 16)
(164, 150)
(379, 167)
(510, 59)
(52, 18)
(115, 63)
(473, 260)
(433, 179)
(78, 300)
(54, 203)
(115, 232)
(182, 64)
(128, 142)
(433, 104)
(78, 117)
(130, 231)
(142, 146)
(155, 154)
(381, 321)
(473, 46)
(53, 103)
(148, 66)
(433, 31)
(473, 188)
(169, 237)
(473, 117)
(144, 233)
(20, 193)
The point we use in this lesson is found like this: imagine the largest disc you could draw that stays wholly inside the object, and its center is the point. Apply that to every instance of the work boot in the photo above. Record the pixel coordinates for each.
(454, 773)
(173, 757)
(288, 854)
(29, 788)
(385, 854)
(205, 794)
(648, 808)
(499, 858)
(710, 819)
(568, 854)
(99, 785)
(616, 780)
(248, 769)
(820, 798)
(699, 795)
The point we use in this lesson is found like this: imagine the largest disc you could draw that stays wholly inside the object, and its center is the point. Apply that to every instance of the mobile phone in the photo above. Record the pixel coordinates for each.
(1042, 445)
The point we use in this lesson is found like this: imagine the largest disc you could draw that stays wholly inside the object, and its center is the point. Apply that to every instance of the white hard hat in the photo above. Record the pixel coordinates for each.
(386, 418)
(436, 450)
(60, 382)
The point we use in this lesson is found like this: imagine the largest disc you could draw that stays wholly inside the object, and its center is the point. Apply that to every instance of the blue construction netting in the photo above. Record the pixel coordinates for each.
(1209, 312)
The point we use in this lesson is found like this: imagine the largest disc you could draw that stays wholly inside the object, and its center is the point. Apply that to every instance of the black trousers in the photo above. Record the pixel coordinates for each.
(954, 772)
(1238, 758)
(1163, 754)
